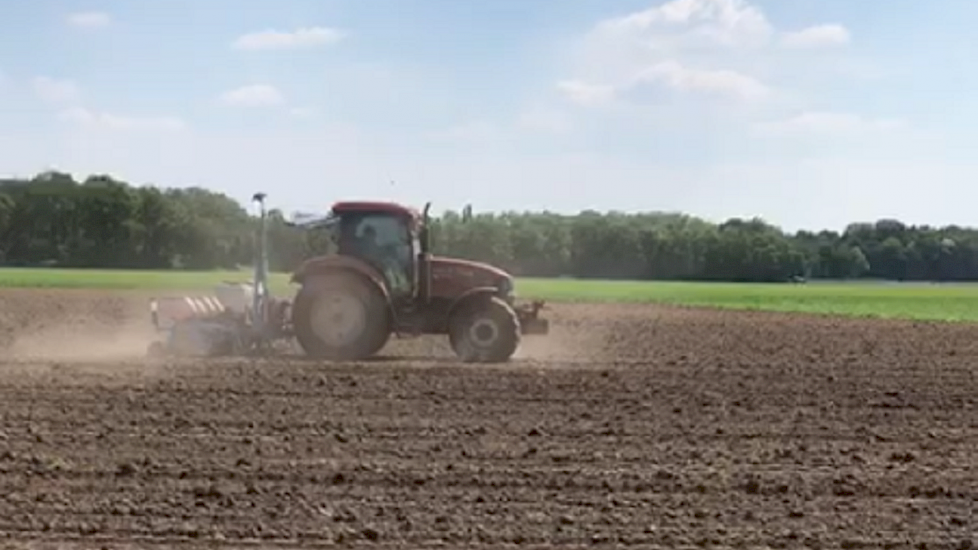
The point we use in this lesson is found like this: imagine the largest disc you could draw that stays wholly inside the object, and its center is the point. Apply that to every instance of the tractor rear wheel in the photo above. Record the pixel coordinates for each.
(340, 317)
(486, 331)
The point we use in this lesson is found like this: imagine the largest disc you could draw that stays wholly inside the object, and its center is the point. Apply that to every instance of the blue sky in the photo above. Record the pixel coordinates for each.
(808, 113)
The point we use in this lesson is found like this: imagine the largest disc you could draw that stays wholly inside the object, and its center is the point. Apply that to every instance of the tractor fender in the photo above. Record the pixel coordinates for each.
(309, 271)
(470, 296)
(317, 266)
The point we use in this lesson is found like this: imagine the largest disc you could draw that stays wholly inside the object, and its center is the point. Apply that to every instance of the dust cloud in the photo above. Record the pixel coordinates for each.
(73, 326)
(70, 342)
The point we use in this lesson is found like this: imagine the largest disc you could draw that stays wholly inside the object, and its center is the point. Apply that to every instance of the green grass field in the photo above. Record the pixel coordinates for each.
(950, 302)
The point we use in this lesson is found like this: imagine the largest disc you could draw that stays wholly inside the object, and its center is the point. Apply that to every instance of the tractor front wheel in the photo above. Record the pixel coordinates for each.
(486, 331)
(340, 317)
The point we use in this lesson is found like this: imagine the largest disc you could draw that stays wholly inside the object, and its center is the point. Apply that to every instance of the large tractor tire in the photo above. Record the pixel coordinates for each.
(484, 331)
(340, 317)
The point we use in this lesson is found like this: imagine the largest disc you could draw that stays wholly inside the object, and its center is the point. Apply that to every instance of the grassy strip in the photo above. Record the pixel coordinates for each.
(951, 302)
(124, 280)
(946, 302)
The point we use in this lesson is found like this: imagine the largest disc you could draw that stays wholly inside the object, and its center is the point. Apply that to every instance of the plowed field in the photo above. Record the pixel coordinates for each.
(630, 425)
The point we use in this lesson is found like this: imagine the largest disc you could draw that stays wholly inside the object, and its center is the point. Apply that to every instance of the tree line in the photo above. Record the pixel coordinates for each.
(54, 220)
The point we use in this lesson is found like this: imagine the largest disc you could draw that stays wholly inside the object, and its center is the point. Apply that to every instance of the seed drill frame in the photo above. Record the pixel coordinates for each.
(242, 319)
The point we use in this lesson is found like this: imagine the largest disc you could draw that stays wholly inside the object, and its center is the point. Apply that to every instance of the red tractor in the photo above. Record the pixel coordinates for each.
(377, 276)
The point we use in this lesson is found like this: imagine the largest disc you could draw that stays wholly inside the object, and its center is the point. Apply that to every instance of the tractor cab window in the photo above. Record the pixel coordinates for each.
(382, 234)
(384, 241)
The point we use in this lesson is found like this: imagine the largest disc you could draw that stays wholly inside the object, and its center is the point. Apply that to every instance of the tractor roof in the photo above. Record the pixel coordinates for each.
(343, 207)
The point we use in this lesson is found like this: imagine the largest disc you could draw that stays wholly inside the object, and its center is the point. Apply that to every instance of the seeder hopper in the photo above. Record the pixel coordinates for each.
(372, 276)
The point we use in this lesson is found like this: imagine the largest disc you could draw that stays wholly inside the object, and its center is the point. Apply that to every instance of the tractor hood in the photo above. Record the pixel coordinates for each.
(467, 272)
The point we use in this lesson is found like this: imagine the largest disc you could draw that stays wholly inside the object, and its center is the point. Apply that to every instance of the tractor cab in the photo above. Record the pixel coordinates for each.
(390, 238)
(386, 236)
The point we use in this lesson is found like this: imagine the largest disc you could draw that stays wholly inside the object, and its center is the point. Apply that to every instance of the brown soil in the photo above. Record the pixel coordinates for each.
(631, 425)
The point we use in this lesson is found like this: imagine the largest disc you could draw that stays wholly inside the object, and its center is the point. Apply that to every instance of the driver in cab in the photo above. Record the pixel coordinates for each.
(369, 245)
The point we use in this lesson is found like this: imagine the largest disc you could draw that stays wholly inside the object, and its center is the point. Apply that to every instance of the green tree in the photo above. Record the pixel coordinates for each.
(52, 219)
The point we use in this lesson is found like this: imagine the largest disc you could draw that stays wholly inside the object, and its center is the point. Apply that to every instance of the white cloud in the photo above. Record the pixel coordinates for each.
(829, 123)
(817, 36)
(254, 95)
(306, 37)
(714, 49)
(714, 82)
(728, 23)
(89, 20)
(722, 83)
(108, 121)
(53, 90)
(695, 46)
(586, 93)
